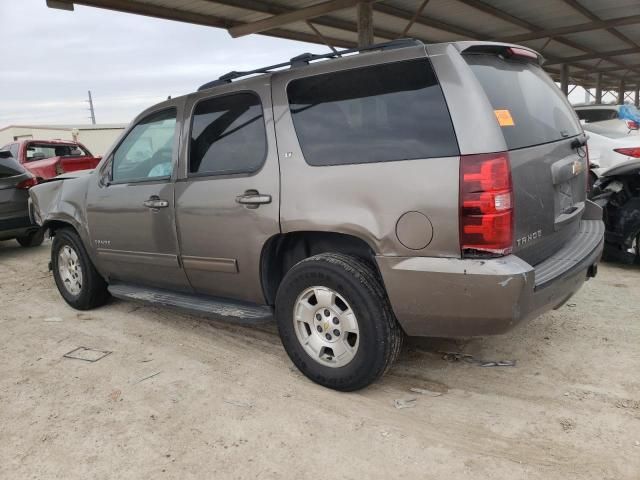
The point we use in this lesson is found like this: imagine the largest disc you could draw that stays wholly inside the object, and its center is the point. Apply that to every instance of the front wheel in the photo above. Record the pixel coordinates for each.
(77, 280)
(336, 323)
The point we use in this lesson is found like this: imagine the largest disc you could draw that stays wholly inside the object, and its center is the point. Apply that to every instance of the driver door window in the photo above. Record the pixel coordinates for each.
(147, 151)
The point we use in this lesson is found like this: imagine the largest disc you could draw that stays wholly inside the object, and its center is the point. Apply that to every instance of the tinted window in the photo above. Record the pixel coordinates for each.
(597, 114)
(227, 135)
(539, 112)
(147, 150)
(381, 113)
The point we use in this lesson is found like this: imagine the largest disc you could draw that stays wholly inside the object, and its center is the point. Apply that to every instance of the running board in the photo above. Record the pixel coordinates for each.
(237, 312)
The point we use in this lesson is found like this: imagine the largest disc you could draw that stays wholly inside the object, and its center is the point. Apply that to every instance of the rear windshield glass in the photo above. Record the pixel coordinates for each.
(40, 151)
(530, 108)
(380, 113)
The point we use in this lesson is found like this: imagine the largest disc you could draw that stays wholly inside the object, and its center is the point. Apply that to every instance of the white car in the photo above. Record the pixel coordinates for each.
(609, 149)
(600, 118)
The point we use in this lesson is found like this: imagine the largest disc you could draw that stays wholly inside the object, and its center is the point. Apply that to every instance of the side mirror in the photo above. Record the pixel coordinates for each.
(105, 174)
(5, 154)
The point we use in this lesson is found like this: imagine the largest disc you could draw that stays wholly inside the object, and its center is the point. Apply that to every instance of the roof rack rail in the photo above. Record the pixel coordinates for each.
(306, 58)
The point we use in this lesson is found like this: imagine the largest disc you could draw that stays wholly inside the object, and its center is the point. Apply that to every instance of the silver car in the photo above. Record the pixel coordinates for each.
(405, 189)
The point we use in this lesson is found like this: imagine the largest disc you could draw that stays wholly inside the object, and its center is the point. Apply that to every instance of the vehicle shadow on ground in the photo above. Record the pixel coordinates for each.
(11, 249)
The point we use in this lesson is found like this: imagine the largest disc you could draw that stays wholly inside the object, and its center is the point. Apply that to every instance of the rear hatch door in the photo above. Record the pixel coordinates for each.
(545, 140)
(13, 201)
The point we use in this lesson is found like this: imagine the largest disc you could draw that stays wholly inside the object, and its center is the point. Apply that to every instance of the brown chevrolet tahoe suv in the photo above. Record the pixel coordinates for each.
(405, 189)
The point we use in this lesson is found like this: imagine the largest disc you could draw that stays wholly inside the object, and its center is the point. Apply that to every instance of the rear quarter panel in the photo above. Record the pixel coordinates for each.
(364, 200)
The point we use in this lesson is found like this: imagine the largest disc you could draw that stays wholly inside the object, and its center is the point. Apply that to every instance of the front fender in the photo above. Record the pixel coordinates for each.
(62, 201)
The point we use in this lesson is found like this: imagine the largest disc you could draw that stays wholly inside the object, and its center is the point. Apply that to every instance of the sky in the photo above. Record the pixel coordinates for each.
(50, 58)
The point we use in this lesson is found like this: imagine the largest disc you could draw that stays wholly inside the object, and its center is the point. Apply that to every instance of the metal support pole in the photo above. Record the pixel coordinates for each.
(93, 113)
(599, 88)
(564, 79)
(621, 88)
(365, 24)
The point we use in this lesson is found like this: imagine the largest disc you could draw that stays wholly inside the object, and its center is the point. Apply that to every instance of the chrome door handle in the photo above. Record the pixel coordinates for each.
(155, 202)
(253, 199)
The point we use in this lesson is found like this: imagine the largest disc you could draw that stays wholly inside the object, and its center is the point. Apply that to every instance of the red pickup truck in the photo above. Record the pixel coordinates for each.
(49, 158)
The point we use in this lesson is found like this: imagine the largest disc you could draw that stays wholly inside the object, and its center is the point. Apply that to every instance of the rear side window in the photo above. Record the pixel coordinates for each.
(380, 113)
(537, 110)
(227, 135)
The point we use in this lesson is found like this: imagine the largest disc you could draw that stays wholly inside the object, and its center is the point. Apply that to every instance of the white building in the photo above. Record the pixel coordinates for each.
(97, 138)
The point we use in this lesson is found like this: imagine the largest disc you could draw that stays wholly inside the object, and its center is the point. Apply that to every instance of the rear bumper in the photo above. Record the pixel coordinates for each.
(15, 227)
(451, 297)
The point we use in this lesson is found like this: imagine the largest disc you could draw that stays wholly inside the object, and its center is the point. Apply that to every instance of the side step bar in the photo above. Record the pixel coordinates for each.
(237, 312)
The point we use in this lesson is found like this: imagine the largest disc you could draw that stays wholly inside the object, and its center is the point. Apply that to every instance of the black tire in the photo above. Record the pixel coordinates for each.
(93, 292)
(593, 178)
(31, 239)
(380, 336)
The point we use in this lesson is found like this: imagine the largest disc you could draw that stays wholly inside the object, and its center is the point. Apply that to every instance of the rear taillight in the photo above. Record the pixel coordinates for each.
(27, 184)
(486, 205)
(629, 152)
(631, 125)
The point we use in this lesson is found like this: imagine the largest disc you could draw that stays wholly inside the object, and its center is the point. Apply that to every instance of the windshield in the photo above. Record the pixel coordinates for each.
(529, 107)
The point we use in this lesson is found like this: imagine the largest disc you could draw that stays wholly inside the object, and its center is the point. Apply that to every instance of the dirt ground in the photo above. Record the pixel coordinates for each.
(185, 397)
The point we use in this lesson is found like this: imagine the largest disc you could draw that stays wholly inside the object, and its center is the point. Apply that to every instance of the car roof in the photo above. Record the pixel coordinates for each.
(53, 142)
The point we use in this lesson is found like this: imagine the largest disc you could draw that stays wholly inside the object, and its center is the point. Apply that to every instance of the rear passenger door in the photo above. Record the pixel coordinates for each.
(227, 201)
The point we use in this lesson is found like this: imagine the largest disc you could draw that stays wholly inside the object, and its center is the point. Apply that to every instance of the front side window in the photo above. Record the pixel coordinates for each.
(147, 151)
(227, 135)
(381, 113)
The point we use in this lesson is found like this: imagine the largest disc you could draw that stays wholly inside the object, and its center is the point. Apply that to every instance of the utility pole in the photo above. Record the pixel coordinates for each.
(93, 113)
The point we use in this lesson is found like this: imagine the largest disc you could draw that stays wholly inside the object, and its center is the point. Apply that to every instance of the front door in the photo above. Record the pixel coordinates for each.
(227, 204)
(130, 209)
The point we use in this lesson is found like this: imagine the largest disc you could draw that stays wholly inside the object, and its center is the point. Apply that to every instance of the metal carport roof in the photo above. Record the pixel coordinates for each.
(592, 43)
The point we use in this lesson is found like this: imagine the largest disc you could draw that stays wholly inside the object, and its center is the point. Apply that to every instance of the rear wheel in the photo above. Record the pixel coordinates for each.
(31, 239)
(336, 323)
(77, 280)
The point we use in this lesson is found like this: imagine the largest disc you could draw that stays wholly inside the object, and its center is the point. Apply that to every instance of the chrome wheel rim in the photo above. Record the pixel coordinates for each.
(326, 327)
(69, 270)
